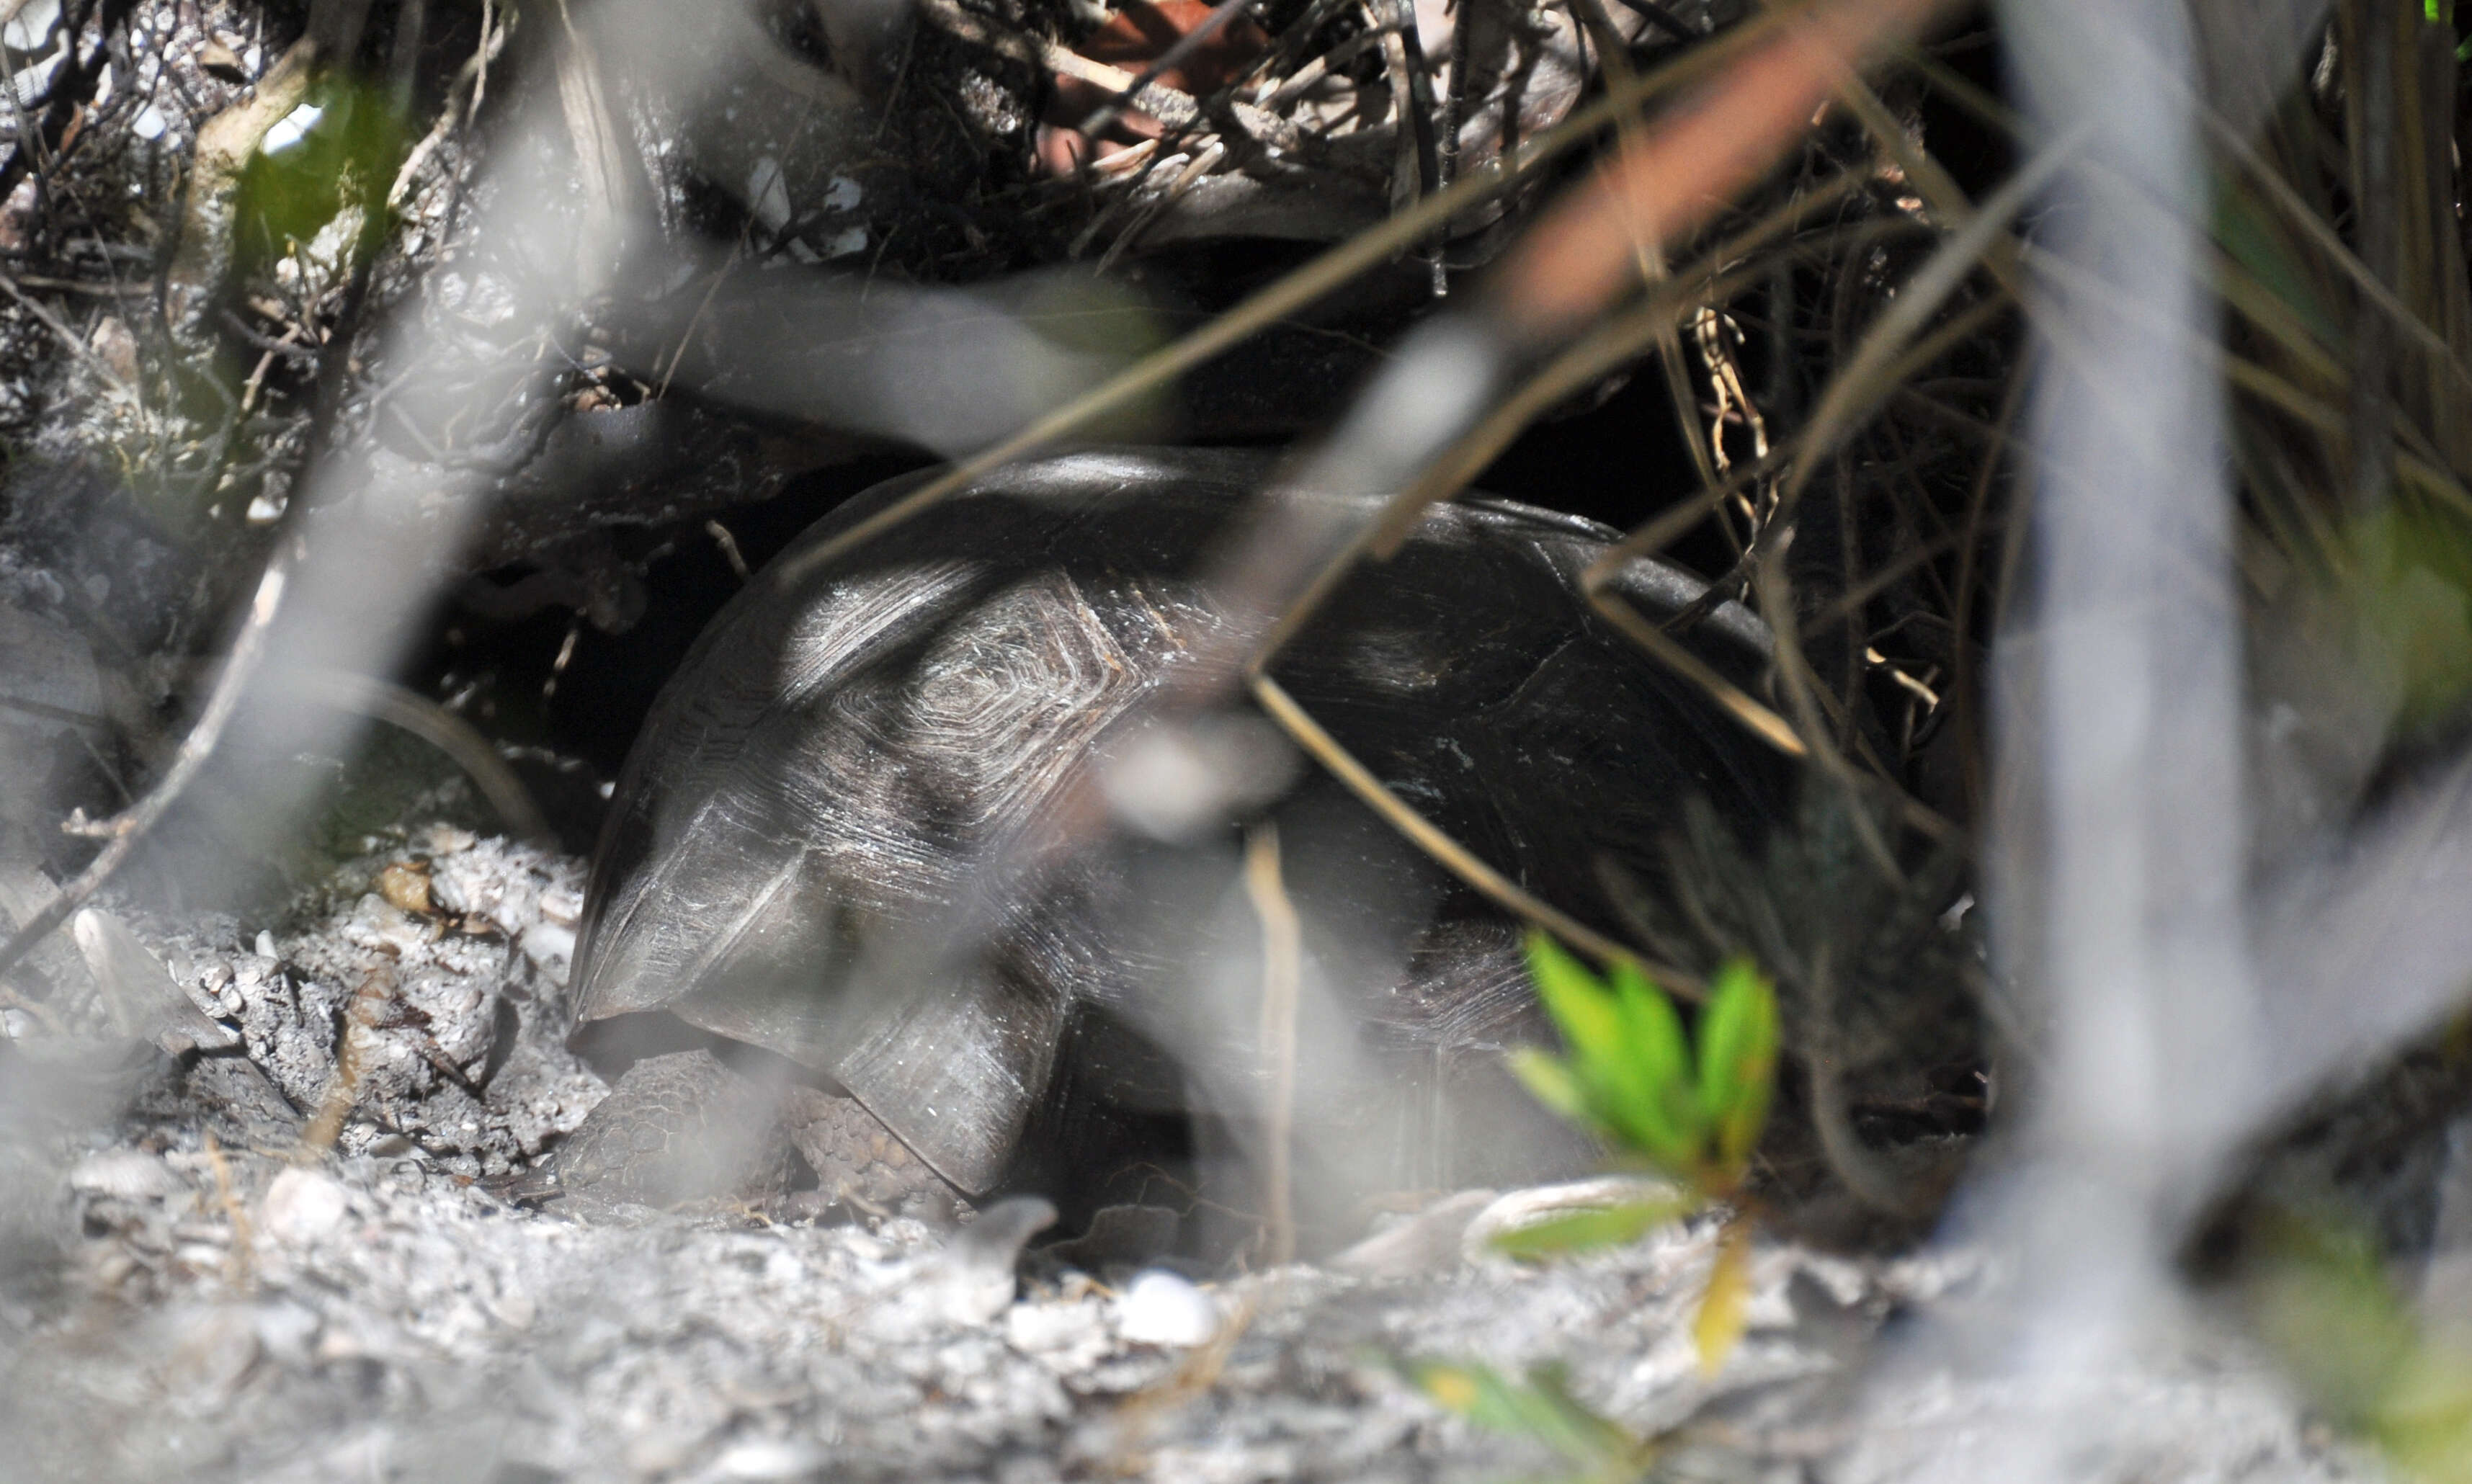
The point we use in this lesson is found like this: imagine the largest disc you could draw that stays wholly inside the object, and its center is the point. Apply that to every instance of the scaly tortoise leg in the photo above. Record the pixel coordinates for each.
(859, 1163)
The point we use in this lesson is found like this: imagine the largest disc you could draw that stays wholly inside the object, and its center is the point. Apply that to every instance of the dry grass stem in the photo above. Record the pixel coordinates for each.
(1717, 275)
(1282, 974)
(383, 700)
(239, 1263)
(360, 1019)
(1580, 256)
(1359, 780)
(1863, 383)
(1290, 294)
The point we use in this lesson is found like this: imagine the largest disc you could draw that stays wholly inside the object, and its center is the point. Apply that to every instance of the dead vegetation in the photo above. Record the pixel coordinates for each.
(521, 301)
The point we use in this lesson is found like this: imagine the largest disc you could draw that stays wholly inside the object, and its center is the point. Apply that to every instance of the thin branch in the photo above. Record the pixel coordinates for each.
(132, 825)
(67, 336)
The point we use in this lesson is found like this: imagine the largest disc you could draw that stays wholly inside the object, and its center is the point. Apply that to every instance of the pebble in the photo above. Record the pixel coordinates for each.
(445, 839)
(551, 946)
(769, 1458)
(1161, 1309)
(406, 886)
(562, 902)
(302, 1206)
(515, 1311)
(1071, 1335)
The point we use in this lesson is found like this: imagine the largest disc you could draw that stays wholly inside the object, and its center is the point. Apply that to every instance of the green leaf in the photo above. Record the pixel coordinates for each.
(1587, 1231)
(1584, 1436)
(2410, 590)
(1548, 1078)
(1582, 1008)
(1629, 1071)
(1631, 1074)
(2424, 1420)
(1738, 1041)
(1651, 1074)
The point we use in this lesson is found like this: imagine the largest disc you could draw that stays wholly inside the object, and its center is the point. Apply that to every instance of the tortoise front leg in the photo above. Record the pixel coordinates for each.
(859, 1163)
(676, 1128)
(687, 1127)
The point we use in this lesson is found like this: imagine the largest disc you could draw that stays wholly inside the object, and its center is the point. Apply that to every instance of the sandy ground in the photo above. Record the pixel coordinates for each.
(191, 1294)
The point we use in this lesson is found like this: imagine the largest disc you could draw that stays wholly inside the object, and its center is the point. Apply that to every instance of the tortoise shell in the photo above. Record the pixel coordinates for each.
(797, 854)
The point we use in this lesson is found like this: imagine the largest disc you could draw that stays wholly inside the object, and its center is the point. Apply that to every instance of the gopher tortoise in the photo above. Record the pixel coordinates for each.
(834, 896)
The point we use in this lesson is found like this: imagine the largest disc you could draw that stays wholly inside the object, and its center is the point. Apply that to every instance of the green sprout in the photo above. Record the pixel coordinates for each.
(1631, 1074)
(1632, 1077)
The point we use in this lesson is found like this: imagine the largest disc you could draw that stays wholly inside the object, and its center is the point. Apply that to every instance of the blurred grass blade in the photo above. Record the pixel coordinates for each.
(2249, 238)
(1549, 1079)
(1737, 1046)
(1587, 1231)
(1543, 1410)
(1316, 741)
(1725, 1308)
(1661, 187)
(1717, 275)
